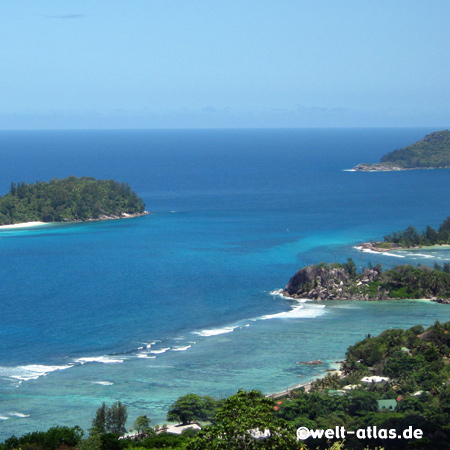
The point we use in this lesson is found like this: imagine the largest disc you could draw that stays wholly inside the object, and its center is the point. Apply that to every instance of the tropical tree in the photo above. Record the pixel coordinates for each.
(189, 408)
(110, 419)
(142, 425)
(247, 421)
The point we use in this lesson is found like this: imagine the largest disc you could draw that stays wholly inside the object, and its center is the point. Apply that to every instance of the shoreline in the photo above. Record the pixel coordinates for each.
(308, 384)
(23, 225)
(33, 224)
(375, 247)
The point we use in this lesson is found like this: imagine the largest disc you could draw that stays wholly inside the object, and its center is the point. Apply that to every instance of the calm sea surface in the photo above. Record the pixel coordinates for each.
(146, 310)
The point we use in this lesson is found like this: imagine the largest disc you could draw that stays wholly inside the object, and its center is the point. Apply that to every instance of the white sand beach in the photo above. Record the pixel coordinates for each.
(22, 225)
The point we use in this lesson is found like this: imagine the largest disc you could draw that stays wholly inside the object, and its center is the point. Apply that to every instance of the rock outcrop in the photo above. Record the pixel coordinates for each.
(381, 167)
(334, 282)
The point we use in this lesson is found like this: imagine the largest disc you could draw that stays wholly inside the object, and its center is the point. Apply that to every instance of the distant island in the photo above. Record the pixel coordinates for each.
(432, 152)
(71, 199)
(343, 282)
(411, 238)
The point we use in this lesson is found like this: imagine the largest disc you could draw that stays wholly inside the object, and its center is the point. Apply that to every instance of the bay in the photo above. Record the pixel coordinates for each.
(145, 310)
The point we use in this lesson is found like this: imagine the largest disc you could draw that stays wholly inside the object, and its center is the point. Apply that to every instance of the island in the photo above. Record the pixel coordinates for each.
(432, 152)
(71, 199)
(343, 282)
(411, 238)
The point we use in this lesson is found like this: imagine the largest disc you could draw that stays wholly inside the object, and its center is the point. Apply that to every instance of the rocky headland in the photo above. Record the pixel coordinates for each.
(331, 282)
(342, 282)
(431, 152)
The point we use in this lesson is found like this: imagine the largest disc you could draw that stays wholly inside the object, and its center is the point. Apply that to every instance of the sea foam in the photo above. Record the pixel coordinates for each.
(181, 349)
(99, 359)
(18, 414)
(297, 312)
(29, 372)
(216, 331)
(162, 350)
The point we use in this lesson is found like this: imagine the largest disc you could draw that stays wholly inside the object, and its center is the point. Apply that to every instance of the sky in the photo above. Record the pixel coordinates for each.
(94, 64)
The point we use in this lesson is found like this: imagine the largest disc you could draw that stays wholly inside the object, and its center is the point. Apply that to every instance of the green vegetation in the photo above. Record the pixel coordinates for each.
(45, 440)
(247, 420)
(413, 282)
(110, 419)
(192, 407)
(433, 151)
(412, 392)
(410, 237)
(69, 199)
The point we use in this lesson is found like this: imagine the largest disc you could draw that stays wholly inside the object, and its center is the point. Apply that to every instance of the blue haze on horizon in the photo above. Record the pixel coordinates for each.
(210, 64)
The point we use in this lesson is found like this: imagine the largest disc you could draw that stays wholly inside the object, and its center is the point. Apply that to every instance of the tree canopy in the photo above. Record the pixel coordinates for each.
(68, 199)
(110, 419)
(247, 420)
(411, 237)
(191, 407)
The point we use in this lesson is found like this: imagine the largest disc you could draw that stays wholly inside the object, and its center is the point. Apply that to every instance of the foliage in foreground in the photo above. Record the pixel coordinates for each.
(247, 420)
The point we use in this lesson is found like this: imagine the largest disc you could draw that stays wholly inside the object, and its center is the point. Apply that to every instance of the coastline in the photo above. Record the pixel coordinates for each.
(101, 218)
(377, 248)
(308, 384)
(379, 167)
(23, 225)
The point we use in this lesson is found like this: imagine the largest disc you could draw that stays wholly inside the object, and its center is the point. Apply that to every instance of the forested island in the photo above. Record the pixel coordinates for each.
(394, 384)
(432, 152)
(411, 238)
(343, 282)
(69, 199)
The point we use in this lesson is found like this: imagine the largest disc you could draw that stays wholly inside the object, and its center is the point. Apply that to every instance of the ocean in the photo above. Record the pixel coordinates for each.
(184, 300)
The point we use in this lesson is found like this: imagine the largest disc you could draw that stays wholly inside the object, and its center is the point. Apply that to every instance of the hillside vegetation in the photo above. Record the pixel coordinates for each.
(432, 151)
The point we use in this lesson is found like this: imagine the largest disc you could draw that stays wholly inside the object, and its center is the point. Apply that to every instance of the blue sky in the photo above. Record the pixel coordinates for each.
(234, 63)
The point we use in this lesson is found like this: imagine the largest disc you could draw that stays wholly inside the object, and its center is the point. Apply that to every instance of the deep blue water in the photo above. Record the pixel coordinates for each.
(145, 310)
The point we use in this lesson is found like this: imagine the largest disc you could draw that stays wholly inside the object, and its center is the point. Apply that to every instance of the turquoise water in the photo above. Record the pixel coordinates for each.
(145, 310)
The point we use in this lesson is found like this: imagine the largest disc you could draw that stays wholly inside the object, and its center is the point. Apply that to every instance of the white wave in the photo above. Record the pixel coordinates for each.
(348, 170)
(423, 256)
(181, 349)
(4, 418)
(18, 414)
(297, 312)
(103, 383)
(163, 350)
(368, 250)
(216, 331)
(277, 293)
(145, 356)
(29, 372)
(99, 359)
(392, 254)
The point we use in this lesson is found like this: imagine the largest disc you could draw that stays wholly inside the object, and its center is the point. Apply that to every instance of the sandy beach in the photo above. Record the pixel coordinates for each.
(22, 225)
